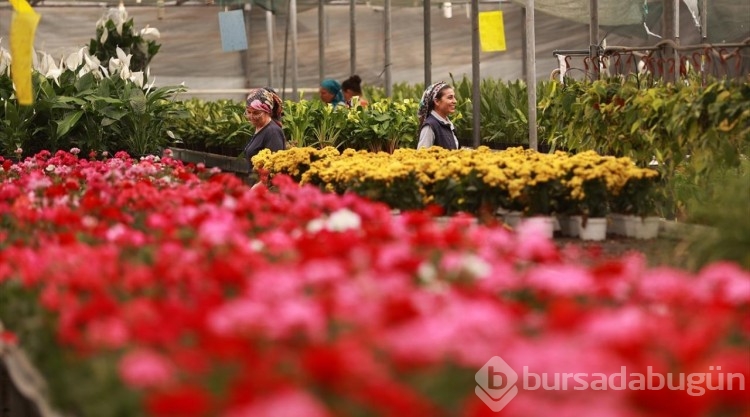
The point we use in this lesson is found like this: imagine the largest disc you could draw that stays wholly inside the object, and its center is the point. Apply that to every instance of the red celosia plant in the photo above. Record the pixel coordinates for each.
(178, 291)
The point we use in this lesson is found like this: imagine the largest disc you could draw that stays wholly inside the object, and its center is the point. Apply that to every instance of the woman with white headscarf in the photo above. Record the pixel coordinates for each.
(438, 101)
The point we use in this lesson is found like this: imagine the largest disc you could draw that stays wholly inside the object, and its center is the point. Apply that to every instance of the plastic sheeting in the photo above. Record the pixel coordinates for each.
(728, 20)
(611, 12)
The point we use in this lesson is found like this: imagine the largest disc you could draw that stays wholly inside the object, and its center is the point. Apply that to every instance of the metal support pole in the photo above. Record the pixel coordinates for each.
(670, 31)
(269, 33)
(594, 36)
(293, 24)
(531, 77)
(476, 98)
(427, 43)
(676, 20)
(387, 35)
(704, 36)
(246, 54)
(704, 21)
(352, 37)
(524, 58)
(321, 43)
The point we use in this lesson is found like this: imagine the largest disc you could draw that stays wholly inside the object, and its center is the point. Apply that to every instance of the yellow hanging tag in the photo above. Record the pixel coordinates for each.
(22, 29)
(491, 31)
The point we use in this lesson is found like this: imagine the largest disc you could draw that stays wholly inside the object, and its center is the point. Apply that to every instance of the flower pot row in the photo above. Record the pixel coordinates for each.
(590, 228)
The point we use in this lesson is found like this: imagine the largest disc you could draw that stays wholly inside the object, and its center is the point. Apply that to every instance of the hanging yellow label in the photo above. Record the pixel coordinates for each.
(491, 31)
(22, 29)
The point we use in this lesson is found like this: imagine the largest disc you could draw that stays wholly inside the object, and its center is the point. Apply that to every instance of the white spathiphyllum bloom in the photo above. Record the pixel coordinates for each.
(118, 16)
(44, 62)
(4, 61)
(123, 57)
(74, 60)
(49, 68)
(54, 74)
(92, 65)
(137, 78)
(34, 58)
(150, 34)
(121, 64)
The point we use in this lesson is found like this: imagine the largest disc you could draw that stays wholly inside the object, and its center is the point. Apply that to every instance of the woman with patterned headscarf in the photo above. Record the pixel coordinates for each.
(438, 101)
(330, 92)
(264, 111)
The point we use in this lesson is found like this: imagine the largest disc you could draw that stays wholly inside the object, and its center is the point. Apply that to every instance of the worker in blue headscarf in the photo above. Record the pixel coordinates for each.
(330, 92)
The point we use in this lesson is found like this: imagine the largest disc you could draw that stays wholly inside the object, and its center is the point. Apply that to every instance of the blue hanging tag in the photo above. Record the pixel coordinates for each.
(232, 28)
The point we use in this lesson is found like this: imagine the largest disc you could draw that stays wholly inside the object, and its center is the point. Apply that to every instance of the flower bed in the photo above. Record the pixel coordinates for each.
(154, 288)
(474, 181)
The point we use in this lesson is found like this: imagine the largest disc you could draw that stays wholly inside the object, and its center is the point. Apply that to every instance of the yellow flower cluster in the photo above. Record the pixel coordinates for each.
(513, 171)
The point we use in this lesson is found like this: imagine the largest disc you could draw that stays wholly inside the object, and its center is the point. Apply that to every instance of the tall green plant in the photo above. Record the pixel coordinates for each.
(297, 122)
(328, 124)
(216, 126)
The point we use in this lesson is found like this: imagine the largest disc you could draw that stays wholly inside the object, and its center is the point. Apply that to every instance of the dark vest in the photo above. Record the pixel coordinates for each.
(443, 132)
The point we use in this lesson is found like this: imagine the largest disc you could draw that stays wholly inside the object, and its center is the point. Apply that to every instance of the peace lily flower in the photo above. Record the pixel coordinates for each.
(121, 64)
(118, 16)
(93, 65)
(74, 60)
(149, 34)
(4, 62)
(137, 78)
(49, 68)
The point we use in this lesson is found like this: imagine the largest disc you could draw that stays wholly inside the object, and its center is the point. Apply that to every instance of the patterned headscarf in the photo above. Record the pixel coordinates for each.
(266, 100)
(334, 88)
(427, 104)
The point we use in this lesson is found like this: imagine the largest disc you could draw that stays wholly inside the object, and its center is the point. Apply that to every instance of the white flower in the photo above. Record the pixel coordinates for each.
(476, 266)
(74, 60)
(92, 65)
(149, 34)
(121, 64)
(427, 272)
(118, 16)
(5, 60)
(105, 35)
(316, 225)
(49, 68)
(137, 78)
(344, 219)
(34, 59)
(338, 221)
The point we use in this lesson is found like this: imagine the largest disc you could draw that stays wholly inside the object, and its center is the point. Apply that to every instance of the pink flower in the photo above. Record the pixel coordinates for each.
(532, 242)
(562, 280)
(725, 281)
(108, 332)
(287, 403)
(145, 369)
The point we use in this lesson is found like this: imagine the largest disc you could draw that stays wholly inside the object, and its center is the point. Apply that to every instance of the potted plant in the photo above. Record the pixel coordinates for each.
(638, 202)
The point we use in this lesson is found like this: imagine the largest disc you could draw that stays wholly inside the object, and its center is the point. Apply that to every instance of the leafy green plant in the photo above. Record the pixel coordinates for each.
(213, 126)
(329, 123)
(296, 121)
(724, 208)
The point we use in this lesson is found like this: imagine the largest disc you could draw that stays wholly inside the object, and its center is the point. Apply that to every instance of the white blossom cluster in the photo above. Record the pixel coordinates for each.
(84, 63)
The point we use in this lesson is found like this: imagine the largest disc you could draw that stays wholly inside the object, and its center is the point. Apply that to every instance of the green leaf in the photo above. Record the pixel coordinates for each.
(68, 122)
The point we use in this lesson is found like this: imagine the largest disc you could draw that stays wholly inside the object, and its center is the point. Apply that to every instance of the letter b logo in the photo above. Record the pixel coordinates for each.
(496, 383)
